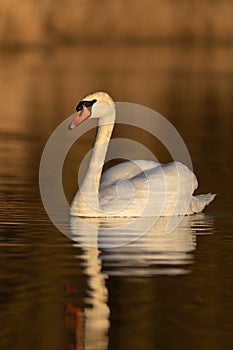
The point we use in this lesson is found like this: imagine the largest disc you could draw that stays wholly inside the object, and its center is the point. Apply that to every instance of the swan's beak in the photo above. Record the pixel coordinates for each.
(80, 117)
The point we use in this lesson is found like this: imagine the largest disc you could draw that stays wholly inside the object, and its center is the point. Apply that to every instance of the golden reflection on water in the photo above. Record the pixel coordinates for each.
(154, 253)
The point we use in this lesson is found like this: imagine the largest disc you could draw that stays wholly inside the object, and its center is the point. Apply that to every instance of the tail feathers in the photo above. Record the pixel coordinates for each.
(199, 202)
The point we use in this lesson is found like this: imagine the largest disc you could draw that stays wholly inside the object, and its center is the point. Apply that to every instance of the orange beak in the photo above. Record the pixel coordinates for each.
(80, 117)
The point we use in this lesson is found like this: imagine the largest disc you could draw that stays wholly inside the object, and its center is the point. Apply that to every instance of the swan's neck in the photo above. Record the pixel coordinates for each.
(86, 200)
(98, 154)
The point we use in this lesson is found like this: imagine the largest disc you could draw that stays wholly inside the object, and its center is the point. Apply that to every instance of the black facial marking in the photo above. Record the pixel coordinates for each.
(87, 104)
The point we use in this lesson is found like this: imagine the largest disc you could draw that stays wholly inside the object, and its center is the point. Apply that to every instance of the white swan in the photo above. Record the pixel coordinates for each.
(133, 188)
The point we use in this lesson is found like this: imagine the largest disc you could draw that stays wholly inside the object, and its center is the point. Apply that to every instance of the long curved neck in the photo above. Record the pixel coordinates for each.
(86, 201)
(91, 181)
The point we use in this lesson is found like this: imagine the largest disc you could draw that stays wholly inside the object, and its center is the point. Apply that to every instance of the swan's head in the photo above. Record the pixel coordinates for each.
(97, 105)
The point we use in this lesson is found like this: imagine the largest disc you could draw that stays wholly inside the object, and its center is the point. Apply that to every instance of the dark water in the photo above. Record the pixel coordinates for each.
(159, 293)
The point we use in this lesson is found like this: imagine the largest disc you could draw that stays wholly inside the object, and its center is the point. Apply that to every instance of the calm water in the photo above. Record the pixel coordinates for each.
(162, 291)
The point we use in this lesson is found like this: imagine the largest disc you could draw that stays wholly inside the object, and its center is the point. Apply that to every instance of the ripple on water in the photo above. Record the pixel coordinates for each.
(152, 253)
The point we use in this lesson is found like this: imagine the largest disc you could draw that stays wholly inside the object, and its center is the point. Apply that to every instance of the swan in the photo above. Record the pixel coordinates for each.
(133, 188)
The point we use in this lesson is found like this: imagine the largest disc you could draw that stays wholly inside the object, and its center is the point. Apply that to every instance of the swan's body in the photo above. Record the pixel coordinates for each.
(134, 188)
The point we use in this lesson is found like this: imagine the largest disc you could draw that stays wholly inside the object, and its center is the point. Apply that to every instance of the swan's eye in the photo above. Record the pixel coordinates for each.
(87, 104)
(79, 107)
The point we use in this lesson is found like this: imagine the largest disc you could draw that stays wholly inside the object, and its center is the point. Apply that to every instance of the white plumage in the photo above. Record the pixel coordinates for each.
(134, 188)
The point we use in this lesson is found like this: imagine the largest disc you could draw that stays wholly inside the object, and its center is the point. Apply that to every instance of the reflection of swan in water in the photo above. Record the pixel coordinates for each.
(153, 252)
(156, 252)
(97, 314)
(90, 323)
(156, 187)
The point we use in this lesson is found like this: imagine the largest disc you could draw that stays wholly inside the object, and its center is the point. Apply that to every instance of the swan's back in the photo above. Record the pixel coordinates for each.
(126, 170)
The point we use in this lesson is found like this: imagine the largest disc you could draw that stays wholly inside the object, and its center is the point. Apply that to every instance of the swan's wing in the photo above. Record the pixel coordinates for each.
(170, 189)
(174, 179)
(125, 171)
(178, 174)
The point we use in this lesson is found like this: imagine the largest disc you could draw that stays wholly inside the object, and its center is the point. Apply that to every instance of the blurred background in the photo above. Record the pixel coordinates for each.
(173, 56)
